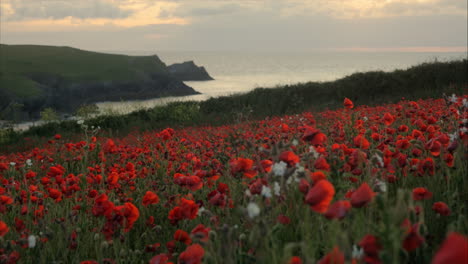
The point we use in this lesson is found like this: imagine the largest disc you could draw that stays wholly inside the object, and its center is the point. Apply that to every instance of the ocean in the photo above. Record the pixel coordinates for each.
(240, 72)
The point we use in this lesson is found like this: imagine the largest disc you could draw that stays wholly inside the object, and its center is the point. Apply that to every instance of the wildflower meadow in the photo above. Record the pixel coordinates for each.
(360, 184)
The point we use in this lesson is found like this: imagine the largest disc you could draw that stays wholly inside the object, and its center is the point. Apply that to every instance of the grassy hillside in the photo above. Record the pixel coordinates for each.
(20, 64)
(63, 78)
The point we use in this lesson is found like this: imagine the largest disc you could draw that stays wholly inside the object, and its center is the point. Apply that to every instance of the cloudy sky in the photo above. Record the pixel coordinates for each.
(253, 25)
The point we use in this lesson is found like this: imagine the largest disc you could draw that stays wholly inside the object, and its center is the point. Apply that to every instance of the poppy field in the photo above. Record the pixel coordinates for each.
(360, 184)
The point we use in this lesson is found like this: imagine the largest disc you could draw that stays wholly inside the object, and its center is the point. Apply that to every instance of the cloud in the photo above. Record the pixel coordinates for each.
(59, 9)
(211, 11)
(92, 15)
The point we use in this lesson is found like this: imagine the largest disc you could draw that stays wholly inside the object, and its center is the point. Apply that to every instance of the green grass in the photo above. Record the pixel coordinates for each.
(20, 63)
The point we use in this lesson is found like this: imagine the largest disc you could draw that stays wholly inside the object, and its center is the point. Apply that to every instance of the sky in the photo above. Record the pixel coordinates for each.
(242, 25)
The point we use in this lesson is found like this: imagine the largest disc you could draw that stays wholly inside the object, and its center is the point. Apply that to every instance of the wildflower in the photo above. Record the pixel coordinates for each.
(348, 103)
(421, 193)
(279, 169)
(388, 119)
(361, 142)
(321, 164)
(357, 253)
(314, 136)
(266, 191)
(276, 188)
(453, 250)
(244, 166)
(3, 228)
(253, 210)
(320, 196)
(29, 162)
(150, 198)
(289, 157)
(283, 219)
(362, 196)
(201, 232)
(295, 260)
(192, 255)
(334, 257)
(413, 239)
(380, 186)
(338, 210)
(31, 241)
(441, 208)
(453, 99)
(182, 236)
(371, 247)
(159, 259)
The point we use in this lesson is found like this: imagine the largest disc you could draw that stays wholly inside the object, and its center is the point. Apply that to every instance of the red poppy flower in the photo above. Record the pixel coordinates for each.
(441, 208)
(201, 232)
(159, 259)
(421, 193)
(362, 196)
(317, 176)
(182, 236)
(150, 198)
(371, 247)
(413, 239)
(283, 219)
(55, 194)
(338, 210)
(348, 103)
(321, 164)
(192, 255)
(295, 260)
(314, 136)
(320, 196)
(388, 119)
(3, 228)
(361, 142)
(244, 166)
(454, 250)
(191, 182)
(334, 257)
(289, 157)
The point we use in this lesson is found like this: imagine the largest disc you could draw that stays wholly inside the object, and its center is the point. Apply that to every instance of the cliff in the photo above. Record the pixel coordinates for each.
(188, 71)
(34, 77)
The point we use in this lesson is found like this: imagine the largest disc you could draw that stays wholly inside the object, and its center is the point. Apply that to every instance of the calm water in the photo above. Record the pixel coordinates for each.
(238, 72)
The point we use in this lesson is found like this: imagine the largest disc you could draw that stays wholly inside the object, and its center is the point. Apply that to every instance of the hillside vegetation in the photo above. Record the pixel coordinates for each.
(64, 78)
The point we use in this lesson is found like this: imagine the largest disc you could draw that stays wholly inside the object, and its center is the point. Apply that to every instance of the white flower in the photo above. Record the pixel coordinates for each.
(314, 152)
(365, 118)
(248, 193)
(453, 136)
(465, 103)
(295, 142)
(80, 122)
(277, 188)
(266, 191)
(12, 164)
(31, 241)
(379, 160)
(380, 186)
(29, 162)
(357, 253)
(453, 98)
(464, 130)
(253, 210)
(279, 168)
(201, 210)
